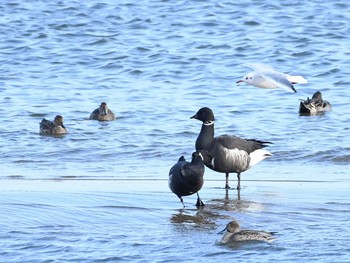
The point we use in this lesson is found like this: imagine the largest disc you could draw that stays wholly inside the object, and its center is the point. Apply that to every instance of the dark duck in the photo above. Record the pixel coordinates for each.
(102, 113)
(54, 127)
(315, 105)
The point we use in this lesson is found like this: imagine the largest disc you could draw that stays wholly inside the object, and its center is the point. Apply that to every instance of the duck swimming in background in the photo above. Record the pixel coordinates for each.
(53, 128)
(315, 105)
(186, 178)
(235, 234)
(230, 154)
(266, 77)
(102, 113)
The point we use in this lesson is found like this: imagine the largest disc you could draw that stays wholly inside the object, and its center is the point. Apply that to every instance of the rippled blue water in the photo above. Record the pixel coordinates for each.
(100, 193)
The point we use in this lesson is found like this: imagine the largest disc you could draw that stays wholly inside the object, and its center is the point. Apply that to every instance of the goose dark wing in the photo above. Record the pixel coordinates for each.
(233, 142)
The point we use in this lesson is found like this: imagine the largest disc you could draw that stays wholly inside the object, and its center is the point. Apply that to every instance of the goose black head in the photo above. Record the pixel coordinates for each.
(204, 114)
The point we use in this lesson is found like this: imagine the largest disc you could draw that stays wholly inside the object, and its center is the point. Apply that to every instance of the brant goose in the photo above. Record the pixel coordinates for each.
(51, 128)
(235, 234)
(102, 113)
(266, 77)
(186, 178)
(315, 105)
(230, 154)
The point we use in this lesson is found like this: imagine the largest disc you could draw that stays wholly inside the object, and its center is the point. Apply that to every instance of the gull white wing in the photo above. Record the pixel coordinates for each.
(259, 66)
(279, 80)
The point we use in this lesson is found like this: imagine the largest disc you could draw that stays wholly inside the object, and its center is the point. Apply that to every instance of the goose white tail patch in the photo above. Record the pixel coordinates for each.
(257, 156)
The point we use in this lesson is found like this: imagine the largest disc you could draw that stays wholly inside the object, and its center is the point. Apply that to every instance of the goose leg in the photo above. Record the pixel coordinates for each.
(227, 186)
(182, 201)
(199, 201)
(239, 181)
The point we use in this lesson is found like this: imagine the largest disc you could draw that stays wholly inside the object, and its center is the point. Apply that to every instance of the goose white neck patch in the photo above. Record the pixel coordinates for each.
(200, 154)
(208, 123)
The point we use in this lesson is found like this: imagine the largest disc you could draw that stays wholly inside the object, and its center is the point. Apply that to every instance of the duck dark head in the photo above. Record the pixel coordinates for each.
(205, 115)
(103, 108)
(317, 95)
(58, 121)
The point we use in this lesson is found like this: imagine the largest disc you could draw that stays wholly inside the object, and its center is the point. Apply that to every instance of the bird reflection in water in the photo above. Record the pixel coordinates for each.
(187, 219)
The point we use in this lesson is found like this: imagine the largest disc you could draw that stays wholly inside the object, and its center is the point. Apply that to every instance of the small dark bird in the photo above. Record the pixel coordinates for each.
(186, 178)
(235, 234)
(102, 113)
(230, 154)
(53, 128)
(315, 105)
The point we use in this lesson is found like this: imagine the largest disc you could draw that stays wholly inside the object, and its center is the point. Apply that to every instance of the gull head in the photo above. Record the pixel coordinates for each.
(248, 78)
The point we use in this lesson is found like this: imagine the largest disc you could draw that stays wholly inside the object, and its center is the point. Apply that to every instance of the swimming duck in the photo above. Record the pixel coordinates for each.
(315, 105)
(235, 234)
(186, 178)
(102, 113)
(230, 154)
(51, 128)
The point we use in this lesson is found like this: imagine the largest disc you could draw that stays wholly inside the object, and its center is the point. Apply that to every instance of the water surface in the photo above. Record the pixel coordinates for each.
(100, 192)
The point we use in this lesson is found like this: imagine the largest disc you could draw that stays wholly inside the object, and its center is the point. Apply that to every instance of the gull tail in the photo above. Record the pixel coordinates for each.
(297, 79)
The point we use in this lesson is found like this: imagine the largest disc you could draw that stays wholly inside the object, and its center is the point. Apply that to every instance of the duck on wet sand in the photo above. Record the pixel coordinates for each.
(230, 154)
(102, 113)
(235, 234)
(186, 178)
(315, 105)
(52, 128)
